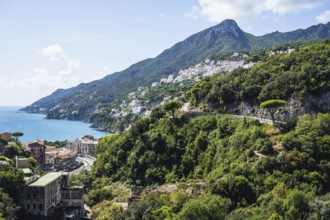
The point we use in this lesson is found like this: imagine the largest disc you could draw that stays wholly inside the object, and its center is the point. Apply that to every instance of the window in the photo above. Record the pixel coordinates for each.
(28, 196)
(34, 206)
(28, 206)
(40, 206)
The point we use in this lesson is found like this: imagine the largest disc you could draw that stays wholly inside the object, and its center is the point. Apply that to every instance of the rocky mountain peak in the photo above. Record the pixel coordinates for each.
(228, 26)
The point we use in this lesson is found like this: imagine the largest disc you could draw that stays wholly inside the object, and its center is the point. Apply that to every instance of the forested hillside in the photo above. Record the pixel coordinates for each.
(301, 74)
(249, 169)
(221, 166)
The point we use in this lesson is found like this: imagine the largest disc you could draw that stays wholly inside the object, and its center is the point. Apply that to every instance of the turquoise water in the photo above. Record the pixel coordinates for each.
(35, 127)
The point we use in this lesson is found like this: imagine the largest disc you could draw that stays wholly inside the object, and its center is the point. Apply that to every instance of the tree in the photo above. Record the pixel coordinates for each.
(206, 206)
(172, 107)
(11, 150)
(33, 162)
(8, 208)
(320, 207)
(98, 195)
(138, 210)
(12, 182)
(17, 134)
(157, 113)
(272, 105)
(3, 142)
(113, 212)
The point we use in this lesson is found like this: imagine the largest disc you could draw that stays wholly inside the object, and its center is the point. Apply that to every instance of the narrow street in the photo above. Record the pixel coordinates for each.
(88, 162)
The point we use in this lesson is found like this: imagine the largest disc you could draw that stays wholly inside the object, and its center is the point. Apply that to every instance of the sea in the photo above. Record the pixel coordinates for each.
(36, 127)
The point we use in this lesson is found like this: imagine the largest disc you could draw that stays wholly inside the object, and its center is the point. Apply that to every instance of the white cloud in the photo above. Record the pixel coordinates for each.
(194, 13)
(324, 17)
(54, 52)
(73, 65)
(218, 10)
(161, 15)
(42, 80)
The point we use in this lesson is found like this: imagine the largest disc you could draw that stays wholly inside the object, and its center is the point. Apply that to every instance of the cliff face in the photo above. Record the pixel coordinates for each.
(294, 108)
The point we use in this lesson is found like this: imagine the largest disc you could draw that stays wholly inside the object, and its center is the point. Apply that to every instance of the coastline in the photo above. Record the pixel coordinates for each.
(36, 126)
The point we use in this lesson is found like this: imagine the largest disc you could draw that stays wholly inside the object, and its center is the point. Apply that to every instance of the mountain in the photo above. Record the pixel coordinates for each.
(78, 102)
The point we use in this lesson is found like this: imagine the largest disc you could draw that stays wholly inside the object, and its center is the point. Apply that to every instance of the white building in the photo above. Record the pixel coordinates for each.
(155, 84)
(136, 109)
(85, 146)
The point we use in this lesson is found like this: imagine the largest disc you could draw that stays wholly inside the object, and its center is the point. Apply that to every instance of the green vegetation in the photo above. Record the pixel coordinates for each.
(17, 134)
(298, 74)
(57, 144)
(172, 107)
(15, 149)
(8, 209)
(220, 150)
(11, 191)
(109, 212)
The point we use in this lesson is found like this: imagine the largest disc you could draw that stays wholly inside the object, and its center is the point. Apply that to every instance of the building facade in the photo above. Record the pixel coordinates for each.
(73, 203)
(50, 197)
(6, 136)
(85, 146)
(21, 162)
(65, 160)
(49, 159)
(43, 196)
(37, 151)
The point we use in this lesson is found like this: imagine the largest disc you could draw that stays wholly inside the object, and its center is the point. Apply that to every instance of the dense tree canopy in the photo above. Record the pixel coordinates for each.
(301, 73)
(8, 209)
(225, 152)
(11, 190)
(17, 134)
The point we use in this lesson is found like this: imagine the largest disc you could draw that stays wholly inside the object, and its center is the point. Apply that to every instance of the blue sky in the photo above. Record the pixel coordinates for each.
(50, 44)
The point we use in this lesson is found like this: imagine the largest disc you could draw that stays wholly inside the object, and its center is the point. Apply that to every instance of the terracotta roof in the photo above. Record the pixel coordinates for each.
(35, 143)
(66, 154)
(51, 149)
(62, 154)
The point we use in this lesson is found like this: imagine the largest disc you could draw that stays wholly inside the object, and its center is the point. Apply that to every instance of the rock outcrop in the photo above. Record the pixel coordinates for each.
(294, 108)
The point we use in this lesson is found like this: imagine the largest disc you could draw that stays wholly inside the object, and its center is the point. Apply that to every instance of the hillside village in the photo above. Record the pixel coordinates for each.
(136, 102)
(145, 98)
